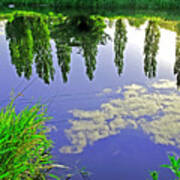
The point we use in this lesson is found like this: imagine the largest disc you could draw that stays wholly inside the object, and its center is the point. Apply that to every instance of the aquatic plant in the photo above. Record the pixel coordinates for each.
(24, 146)
(174, 166)
(154, 175)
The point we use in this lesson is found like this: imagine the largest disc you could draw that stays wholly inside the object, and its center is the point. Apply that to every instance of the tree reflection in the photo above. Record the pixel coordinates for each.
(61, 35)
(29, 38)
(151, 48)
(177, 63)
(42, 49)
(84, 32)
(136, 22)
(120, 44)
(19, 34)
(89, 33)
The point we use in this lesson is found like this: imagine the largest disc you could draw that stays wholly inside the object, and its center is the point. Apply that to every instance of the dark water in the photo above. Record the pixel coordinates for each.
(111, 86)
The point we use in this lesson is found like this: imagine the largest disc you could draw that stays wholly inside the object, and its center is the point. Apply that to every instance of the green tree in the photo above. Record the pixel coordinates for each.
(151, 47)
(120, 41)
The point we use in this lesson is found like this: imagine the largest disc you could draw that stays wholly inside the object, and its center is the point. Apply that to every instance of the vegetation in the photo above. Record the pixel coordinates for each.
(30, 42)
(29, 38)
(174, 166)
(21, 45)
(24, 146)
(154, 4)
(177, 63)
(120, 41)
(151, 48)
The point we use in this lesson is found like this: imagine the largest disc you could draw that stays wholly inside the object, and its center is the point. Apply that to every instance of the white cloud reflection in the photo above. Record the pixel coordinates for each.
(155, 112)
(105, 91)
(2, 27)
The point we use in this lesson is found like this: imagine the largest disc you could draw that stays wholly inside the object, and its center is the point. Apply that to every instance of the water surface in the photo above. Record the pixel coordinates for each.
(111, 86)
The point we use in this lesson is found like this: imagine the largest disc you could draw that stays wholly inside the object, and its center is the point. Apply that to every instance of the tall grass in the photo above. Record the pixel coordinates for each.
(24, 146)
(153, 4)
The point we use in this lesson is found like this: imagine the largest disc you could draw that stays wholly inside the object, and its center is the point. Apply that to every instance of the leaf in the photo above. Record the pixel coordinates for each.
(173, 161)
(154, 175)
(54, 176)
(4, 175)
(166, 166)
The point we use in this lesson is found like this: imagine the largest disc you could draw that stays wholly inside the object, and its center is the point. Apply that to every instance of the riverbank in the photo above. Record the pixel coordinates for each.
(139, 4)
(171, 15)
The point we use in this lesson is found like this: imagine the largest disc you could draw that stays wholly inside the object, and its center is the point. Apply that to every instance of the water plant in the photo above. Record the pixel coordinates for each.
(24, 146)
(174, 166)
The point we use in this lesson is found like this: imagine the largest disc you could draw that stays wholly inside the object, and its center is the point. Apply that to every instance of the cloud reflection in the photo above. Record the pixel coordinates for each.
(152, 109)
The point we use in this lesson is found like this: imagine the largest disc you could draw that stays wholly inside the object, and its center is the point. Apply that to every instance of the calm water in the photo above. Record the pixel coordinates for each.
(111, 87)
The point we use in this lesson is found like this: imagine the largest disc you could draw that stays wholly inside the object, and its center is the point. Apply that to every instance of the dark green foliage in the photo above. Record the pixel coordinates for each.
(177, 63)
(136, 22)
(151, 47)
(153, 4)
(24, 147)
(120, 44)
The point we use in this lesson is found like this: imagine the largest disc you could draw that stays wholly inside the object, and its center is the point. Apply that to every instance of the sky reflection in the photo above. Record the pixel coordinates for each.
(156, 113)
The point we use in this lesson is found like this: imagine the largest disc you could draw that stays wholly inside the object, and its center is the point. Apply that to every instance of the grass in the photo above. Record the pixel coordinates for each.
(153, 4)
(24, 146)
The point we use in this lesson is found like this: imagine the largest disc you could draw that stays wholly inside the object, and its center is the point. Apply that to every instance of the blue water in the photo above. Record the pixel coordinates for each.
(125, 149)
